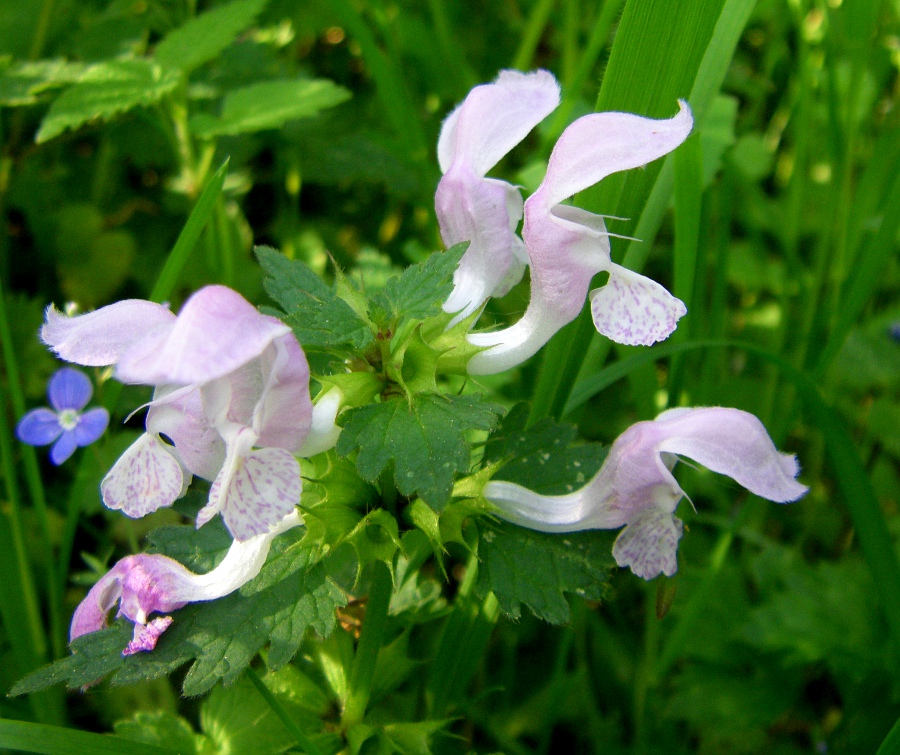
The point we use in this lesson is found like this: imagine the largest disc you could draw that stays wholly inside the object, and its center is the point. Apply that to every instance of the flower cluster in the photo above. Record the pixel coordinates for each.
(231, 405)
(566, 247)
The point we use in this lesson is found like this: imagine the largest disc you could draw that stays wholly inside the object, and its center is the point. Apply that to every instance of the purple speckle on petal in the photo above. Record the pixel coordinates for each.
(145, 637)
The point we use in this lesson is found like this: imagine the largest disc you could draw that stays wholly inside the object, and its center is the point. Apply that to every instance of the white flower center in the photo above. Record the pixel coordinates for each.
(68, 419)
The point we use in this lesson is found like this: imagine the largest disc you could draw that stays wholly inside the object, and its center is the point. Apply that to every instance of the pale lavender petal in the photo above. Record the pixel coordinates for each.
(734, 443)
(91, 613)
(263, 488)
(546, 513)
(216, 332)
(495, 117)
(145, 478)
(69, 389)
(283, 414)
(180, 416)
(600, 144)
(39, 427)
(633, 309)
(100, 338)
(649, 543)
(145, 636)
(91, 425)
(64, 448)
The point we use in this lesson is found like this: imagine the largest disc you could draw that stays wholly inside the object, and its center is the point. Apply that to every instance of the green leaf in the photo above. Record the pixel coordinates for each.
(412, 738)
(314, 311)
(105, 90)
(23, 83)
(422, 441)
(542, 457)
(269, 105)
(202, 38)
(535, 568)
(418, 293)
(57, 740)
(291, 594)
(163, 729)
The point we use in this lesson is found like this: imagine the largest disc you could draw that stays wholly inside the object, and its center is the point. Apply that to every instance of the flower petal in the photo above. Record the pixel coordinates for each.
(734, 443)
(145, 636)
(180, 416)
(495, 117)
(91, 425)
(145, 478)
(64, 448)
(91, 613)
(101, 337)
(260, 492)
(600, 144)
(39, 427)
(216, 332)
(69, 389)
(649, 543)
(283, 414)
(633, 309)
(324, 431)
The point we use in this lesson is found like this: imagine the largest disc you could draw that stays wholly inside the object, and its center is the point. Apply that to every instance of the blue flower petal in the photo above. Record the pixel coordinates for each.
(69, 389)
(39, 427)
(91, 426)
(64, 447)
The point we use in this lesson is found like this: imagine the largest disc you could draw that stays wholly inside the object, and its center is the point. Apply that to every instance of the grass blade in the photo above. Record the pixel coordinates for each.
(56, 740)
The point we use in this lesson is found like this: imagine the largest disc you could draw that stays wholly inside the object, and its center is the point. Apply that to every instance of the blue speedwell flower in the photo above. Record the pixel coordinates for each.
(69, 390)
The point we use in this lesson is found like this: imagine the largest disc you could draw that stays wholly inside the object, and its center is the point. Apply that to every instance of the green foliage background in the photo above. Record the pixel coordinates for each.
(777, 223)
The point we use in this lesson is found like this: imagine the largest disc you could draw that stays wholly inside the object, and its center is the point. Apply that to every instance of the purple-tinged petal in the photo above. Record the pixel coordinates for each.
(255, 492)
(69, 389)
(91, 425)
(100, 338)
(633, 309)
(216, 332)
(145, 478)
(91, 613)
(145, 636)
(495, 117)
(649, 543)
(64, 448)
(733, 443)
(181, 417)
(597, 145)
(39, 427)
(283, 415)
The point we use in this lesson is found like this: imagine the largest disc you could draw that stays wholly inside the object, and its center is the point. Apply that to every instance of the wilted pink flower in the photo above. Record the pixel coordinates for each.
(635, 486)
(147, 583)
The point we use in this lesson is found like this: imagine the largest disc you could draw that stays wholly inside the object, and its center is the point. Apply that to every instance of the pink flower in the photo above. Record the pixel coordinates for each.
(635, 486)
(146, 584)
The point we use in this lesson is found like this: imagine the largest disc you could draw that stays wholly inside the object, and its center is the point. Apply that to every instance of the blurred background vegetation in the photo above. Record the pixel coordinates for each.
(775, 636)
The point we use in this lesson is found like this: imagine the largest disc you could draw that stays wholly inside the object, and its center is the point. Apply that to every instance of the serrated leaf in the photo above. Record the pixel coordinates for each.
(202, 38)
(291, 594)
(23, 83)
(314, 311)
(105, 90)
(422, 441)
(536, 568)
(541, 457)
(419, 291)
(269, 105)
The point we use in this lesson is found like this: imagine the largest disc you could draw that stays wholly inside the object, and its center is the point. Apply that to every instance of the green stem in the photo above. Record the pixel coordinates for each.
(370, 641)
(537, 21)
(34, 482)
(279, 711)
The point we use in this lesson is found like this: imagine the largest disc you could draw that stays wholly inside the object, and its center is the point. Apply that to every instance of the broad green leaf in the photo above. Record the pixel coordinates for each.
(163, 729)
(422, 441)
(418, 293)
(535, 568)
(269, 105)
(105, 90)
(291, 594)
(314, 311)
(542, 457)
(25, 82)
(413, 738)
(202, 38)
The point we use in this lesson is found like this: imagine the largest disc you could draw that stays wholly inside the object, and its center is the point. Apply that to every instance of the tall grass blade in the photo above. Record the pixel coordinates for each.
(56, 740)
